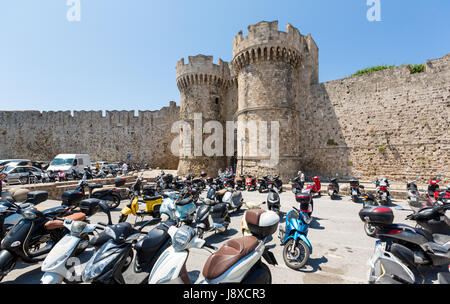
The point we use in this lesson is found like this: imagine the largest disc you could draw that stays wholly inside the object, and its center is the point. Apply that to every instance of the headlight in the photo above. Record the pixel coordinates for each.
(29, 215)
(78, 227)
(92, 271)
(182, 237)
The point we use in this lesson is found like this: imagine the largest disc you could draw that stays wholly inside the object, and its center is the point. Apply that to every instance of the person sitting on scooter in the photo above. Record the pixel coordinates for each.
(301, 178)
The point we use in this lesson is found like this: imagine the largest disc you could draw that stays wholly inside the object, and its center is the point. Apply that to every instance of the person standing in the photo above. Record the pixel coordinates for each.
(124, 168)
(301, 178)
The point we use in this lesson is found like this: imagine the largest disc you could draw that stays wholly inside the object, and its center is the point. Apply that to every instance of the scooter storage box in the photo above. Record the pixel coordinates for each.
(37, 197)
(72, 197)
(377, 215)
(90, 206)
(119, 182)
(267, 223)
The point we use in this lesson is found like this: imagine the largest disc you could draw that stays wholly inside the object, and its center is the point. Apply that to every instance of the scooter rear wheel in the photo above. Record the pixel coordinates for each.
(369, 229)
(296, 258)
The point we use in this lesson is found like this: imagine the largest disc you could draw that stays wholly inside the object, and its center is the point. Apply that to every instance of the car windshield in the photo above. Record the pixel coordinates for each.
(7, 169)
(62, 161)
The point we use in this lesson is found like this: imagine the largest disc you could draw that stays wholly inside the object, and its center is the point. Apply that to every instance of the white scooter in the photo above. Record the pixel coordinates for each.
(233, 199)
(57, 265)
(237, 261)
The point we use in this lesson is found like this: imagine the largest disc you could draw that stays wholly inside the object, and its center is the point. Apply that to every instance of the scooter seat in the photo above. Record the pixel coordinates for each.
(95, 186)
(252, 216)
(442, 239)
(221, 192)
(228, 255)
(184, 202)
(152, 198)
(55, 224)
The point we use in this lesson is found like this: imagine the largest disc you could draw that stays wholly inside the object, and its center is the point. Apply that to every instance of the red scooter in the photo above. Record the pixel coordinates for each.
(250, 182)
(314, 187)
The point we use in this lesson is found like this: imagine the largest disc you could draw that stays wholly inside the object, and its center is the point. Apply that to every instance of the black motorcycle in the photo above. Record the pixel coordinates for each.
(114, 257)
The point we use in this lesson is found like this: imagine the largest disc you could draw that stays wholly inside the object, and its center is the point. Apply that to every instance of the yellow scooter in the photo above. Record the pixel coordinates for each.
(152, 203)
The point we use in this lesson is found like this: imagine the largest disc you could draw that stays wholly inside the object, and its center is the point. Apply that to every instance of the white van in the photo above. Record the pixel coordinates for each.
(69, 162)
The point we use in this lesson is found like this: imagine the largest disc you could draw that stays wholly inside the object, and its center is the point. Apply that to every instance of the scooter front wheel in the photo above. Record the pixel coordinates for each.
(296, 256)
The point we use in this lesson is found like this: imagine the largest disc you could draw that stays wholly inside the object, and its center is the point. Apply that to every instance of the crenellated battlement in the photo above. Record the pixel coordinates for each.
(265, 42)
(201, 70)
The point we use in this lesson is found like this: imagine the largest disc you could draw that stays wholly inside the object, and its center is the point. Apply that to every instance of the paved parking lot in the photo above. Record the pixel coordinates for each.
(340, 246)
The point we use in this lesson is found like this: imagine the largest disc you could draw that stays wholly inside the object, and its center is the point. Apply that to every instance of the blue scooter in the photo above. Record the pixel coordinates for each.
(297, 247)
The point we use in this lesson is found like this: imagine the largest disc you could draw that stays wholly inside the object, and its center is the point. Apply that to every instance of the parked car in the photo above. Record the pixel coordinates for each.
(14, 162)
(19, 174)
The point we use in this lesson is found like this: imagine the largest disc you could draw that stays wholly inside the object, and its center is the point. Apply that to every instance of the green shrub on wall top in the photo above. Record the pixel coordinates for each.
(417, 68)
(381, 148)
(373, 69)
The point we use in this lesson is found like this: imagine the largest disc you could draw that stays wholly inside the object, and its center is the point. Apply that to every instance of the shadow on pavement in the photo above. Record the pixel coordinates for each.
(313, 265)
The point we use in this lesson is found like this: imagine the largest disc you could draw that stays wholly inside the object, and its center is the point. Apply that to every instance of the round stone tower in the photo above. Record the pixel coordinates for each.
(203, 89)
(274, 72)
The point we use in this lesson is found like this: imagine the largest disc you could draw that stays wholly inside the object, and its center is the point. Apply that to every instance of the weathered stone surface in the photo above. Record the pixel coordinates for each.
(41, 136)
(388, 123)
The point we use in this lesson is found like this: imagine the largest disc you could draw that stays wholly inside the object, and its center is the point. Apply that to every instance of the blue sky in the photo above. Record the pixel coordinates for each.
(122, 54)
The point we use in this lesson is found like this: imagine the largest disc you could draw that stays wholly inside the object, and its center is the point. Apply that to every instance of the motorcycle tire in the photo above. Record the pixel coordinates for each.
(114, 203)
(369, 229)
(301, 251)
(355, 198)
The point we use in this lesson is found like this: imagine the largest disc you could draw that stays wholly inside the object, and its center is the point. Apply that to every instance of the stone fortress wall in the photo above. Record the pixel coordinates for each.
(389, 123)
(41, 136)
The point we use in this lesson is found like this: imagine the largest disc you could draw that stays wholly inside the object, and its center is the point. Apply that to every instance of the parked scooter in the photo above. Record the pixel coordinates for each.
(273, 201)
(293, 236)
(152, 203)
(55, 265)
(178, 206)
(355, 189)
(113, 258)
(315, 186)
(233, 199)
(262, 183)
(250, 182)
(383, 195)
(9, 210)
(237, 261)
(304, 198)
(211, 216)
(333, 187)
(413, 246)
(33, 236)
(240, 182)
